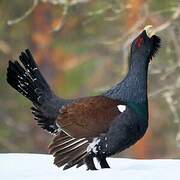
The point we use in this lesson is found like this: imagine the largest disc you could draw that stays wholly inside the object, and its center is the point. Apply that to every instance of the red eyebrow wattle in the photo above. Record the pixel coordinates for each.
(139, 42)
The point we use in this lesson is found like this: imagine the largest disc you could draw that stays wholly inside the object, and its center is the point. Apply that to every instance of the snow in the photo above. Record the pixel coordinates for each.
(40, 167)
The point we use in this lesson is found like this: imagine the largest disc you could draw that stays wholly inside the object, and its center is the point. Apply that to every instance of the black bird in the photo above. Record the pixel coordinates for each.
(88, 127)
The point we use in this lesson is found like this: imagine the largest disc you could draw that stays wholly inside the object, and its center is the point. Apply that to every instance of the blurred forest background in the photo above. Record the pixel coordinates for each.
(82, 48)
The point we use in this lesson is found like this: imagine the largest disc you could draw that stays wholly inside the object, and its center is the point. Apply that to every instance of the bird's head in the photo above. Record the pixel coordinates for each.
(145, 45)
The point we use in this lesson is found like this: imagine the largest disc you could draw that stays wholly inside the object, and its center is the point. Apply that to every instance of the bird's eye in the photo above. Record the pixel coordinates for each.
(139, 42)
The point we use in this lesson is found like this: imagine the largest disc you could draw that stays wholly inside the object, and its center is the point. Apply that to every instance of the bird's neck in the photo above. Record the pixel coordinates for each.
(134, 86)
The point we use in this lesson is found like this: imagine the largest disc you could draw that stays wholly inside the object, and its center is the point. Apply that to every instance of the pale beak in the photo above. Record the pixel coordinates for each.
(149, 30)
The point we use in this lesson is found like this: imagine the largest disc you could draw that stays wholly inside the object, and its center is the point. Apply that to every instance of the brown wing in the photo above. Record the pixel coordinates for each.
(82, 120)
(88, 117)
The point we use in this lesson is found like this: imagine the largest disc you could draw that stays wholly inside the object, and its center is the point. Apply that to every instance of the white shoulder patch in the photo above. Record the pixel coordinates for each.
(121, 108)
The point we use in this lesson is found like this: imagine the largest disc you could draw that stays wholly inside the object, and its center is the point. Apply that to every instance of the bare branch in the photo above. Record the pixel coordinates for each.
(27, 13)
(4, 47)
(169, 100)
(173, 109)
(63, 18)
(64, 2)
(165, 25)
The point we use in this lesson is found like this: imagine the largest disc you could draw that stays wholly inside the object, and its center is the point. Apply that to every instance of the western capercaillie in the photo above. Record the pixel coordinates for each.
(88, 127)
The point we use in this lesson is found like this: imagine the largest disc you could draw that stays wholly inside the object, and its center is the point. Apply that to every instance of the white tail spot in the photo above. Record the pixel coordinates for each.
(121, 108)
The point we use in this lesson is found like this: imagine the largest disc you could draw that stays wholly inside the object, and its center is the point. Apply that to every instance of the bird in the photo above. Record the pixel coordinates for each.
(95, 126)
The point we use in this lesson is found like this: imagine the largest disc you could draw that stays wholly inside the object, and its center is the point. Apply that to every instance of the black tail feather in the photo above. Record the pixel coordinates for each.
(27, 79)
(32, 69)
(44, 122)
(19, 79)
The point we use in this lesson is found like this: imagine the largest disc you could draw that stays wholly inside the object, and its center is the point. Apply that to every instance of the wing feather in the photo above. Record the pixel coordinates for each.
(80, 122)
(88, 117)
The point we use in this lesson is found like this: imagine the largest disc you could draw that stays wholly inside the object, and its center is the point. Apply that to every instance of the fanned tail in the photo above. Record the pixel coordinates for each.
(27, 79)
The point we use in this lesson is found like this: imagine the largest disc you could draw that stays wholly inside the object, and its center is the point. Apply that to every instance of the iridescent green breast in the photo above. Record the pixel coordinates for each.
(140, 108)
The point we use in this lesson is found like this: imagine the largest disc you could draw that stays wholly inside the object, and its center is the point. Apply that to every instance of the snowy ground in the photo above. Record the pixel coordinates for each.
(40, 167)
